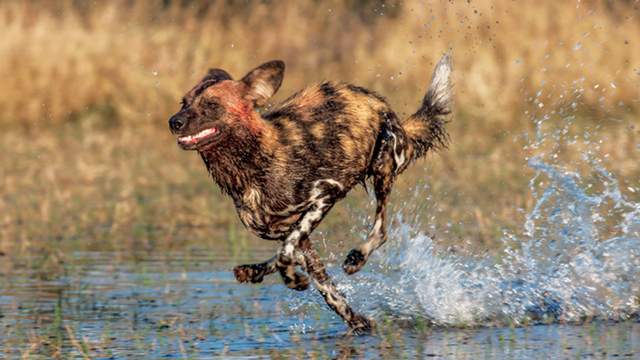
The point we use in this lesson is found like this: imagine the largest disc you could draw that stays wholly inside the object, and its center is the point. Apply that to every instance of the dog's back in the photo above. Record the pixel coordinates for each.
(327, 131)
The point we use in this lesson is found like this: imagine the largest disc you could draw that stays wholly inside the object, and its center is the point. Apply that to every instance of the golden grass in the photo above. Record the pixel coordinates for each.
(135, 60)
(131, 189)
(86, 90)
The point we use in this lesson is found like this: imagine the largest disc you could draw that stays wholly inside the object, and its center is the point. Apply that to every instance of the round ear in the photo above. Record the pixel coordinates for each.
(264, 81)
(216, 75)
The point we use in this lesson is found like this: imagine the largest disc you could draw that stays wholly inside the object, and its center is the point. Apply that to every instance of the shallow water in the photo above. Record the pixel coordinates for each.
(179, 305)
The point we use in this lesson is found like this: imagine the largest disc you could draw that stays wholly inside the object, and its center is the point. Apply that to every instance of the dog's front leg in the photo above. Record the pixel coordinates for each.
(323, 195)
(301, 230)
(255, 273)
(292, 279)
(286, 258)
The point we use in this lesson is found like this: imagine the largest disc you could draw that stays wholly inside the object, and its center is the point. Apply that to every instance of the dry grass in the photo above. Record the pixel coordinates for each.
(86, 156)
(134, 59)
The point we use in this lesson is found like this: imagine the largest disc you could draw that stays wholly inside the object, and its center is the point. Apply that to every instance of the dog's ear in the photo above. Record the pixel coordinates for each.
(264, 81)
(216, 75)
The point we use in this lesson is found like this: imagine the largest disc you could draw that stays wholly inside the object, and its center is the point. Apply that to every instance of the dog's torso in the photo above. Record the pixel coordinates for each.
(323, 138)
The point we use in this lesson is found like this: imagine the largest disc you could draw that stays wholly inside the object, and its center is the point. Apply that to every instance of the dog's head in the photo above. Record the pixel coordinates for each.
(219, 108)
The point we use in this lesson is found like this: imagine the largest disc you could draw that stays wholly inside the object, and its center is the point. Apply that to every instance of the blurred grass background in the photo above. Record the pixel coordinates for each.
(87, 161)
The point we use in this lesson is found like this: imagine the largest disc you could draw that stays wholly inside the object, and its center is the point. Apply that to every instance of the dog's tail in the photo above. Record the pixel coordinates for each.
(426, 128)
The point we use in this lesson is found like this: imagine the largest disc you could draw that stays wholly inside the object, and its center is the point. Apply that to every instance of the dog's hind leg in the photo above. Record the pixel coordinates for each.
(383, 178)
(336, 301)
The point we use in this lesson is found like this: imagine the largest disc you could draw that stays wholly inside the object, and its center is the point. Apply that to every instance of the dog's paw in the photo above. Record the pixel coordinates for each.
(354, 262)
(249, 273)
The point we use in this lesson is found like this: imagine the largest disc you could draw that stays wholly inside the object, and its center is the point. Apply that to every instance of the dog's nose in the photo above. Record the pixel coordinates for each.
(175, 123)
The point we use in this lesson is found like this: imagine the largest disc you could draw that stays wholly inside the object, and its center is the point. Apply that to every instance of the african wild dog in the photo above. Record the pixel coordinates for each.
(285, 168)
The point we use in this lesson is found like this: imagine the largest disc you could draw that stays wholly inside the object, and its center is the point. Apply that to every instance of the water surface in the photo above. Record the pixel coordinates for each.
(184, 305)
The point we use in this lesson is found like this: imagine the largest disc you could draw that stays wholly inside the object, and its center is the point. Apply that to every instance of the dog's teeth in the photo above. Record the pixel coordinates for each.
(198, 136)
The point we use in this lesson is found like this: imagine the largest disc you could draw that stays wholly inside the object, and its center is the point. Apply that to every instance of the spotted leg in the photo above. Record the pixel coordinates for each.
(324, 195)
(357, 258)
(336, 301)
(292, 279)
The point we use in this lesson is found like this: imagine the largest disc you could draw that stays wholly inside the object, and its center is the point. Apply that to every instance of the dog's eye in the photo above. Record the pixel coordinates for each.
(211, 105)
(212, 108)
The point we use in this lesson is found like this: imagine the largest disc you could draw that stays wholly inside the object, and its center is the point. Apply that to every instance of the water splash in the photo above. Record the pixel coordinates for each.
(578, 258)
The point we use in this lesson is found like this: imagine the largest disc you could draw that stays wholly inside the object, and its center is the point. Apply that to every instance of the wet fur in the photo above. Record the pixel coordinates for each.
(286, 168)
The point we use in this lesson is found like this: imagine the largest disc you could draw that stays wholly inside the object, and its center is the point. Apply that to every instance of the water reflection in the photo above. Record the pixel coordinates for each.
(179, 306)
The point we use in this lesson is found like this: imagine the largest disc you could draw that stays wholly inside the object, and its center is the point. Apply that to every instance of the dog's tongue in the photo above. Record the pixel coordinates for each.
(192, 139)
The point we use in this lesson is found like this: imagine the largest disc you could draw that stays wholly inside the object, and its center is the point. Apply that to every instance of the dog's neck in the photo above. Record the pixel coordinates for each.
(239, 164)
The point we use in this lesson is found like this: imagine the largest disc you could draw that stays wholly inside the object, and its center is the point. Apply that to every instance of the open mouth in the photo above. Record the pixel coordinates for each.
(190, 141)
